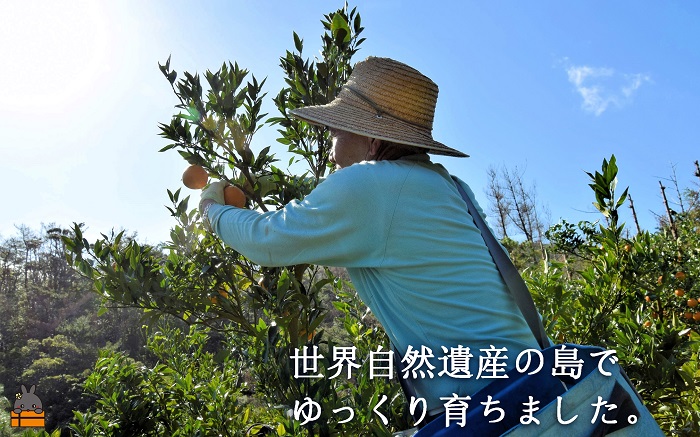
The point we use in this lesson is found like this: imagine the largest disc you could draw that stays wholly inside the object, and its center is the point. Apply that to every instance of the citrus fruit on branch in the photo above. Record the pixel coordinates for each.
(234, 196)
(195, 177)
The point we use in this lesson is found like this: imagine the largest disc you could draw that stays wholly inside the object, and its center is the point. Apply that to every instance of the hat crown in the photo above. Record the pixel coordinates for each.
(394, 89)
(386, 100)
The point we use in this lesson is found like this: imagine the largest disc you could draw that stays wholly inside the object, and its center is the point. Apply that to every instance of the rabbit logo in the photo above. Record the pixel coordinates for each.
(28, 410)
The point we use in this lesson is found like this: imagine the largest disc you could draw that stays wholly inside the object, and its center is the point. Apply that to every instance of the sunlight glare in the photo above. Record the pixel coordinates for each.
(55, 51)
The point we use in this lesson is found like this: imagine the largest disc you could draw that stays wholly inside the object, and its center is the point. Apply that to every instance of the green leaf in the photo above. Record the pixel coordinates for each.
(622, 198)
(341, 36)
(340, 29)
(298, 43)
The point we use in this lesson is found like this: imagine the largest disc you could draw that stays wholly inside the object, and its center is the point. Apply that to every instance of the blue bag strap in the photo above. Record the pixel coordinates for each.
(511, 276)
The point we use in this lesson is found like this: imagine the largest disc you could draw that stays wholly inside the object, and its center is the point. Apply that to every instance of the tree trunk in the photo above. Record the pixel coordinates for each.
(669, 213)
(634, 215)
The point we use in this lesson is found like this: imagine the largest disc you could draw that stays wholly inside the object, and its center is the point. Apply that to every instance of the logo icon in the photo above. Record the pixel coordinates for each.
(28, 410)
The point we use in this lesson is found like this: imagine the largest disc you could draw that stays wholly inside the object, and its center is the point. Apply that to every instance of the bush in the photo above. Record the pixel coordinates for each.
(266, 315)
(624, 297)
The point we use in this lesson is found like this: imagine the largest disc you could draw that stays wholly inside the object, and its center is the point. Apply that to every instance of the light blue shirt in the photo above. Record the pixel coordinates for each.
(413, 253)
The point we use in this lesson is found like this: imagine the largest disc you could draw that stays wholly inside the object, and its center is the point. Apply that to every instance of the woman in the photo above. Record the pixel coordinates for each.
(397, 222)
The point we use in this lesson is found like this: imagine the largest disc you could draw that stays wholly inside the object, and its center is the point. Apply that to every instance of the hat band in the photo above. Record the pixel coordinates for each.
(380, 112)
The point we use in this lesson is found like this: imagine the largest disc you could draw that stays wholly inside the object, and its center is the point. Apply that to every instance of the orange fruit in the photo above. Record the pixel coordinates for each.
(234, 196)
(628, 248)
(680, 292)
(696, 317)
(195, 177)
(680, 276)
(660, 280)
(309, 335)
(688, 315)
(647, 298)
(692, 302)
(215, 299)
(647, 324)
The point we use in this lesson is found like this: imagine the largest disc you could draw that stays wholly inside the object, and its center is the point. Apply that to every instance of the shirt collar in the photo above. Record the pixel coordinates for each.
(419, 157)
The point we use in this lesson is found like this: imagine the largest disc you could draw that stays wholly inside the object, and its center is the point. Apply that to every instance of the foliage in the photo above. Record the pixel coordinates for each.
(266, 314)
(523, 254)
(190, 391)
(50, 333)
(630, 295)
(5, 405)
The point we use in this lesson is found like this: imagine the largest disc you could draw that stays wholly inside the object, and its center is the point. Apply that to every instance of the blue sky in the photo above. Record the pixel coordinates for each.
(549, 87)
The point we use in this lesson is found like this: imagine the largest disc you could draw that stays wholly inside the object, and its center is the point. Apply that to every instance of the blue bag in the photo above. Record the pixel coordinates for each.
(591, 405)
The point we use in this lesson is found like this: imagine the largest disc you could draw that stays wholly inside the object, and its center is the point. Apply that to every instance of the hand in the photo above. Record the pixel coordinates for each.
(212, 193)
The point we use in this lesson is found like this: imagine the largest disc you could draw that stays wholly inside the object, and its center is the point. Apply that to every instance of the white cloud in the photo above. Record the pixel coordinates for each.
(577, 75)
(601, 87)
(634, 82)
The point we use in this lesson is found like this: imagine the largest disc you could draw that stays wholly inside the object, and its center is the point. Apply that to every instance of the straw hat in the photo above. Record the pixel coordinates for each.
(387, 100)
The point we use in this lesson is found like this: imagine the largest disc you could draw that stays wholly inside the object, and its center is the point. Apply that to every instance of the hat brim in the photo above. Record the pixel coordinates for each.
(360, 121)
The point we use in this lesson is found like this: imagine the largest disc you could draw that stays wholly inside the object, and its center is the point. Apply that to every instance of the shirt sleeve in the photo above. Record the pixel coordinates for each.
(340, 223)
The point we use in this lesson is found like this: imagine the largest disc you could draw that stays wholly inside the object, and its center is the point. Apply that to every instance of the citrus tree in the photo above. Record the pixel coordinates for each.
(267, 315)
(634, 295)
